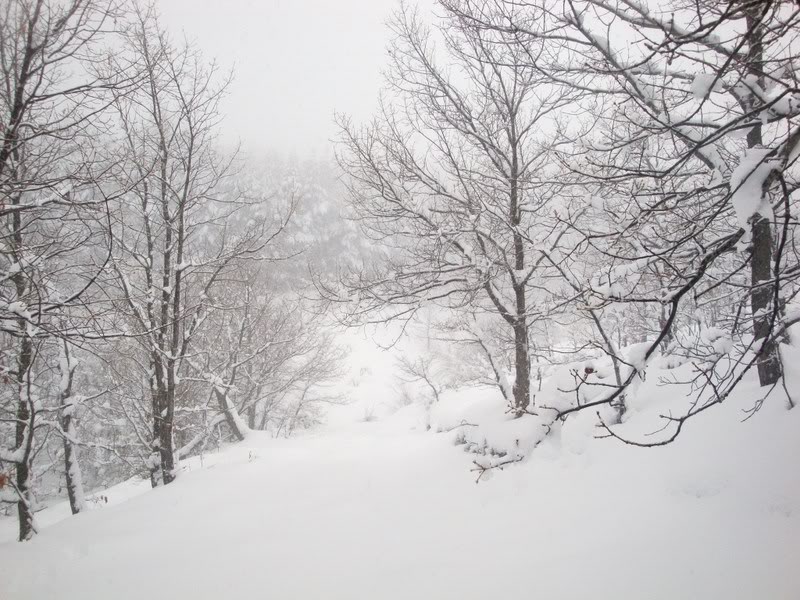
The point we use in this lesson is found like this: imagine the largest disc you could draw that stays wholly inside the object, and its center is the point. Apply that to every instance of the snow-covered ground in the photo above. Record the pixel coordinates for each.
(385, 508)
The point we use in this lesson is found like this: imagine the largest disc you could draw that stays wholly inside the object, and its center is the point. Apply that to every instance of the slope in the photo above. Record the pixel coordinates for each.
(386, 509)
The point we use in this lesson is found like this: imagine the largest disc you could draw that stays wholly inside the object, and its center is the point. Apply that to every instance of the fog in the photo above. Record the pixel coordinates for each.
(383, 298)
(295, 63)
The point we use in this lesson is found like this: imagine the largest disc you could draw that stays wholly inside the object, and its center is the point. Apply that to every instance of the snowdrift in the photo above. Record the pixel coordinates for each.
(389, 509)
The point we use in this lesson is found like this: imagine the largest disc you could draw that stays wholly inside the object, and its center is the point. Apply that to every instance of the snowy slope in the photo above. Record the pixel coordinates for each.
(384, 509)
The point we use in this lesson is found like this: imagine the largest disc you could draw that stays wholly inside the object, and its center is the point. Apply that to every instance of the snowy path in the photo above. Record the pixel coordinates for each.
(383, 510)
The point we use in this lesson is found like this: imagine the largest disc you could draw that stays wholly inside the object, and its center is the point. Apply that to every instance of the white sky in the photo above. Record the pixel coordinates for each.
(295, 62)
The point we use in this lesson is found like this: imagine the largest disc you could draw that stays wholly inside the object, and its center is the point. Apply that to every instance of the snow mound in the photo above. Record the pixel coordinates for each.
(389, 509)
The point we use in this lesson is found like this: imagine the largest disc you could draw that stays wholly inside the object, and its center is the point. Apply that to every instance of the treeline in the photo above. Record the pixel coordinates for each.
(570, 177)
(151, 297)
(559, 179)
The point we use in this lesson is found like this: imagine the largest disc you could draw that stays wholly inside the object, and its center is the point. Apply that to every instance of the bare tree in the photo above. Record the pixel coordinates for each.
(174, 230)
(452, 179)
(51, 200)
(68, 404)
(690, 115)
(422, 369)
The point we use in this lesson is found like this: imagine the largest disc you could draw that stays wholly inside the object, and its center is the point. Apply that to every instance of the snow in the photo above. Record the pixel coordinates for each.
(13, 269)
(747, 183)
(618, 281)
(388, 509)
(75, 471)
(703, 84)
(719, 339)
(783, 103)
(19, 308)
(637, 355)
(241, 426)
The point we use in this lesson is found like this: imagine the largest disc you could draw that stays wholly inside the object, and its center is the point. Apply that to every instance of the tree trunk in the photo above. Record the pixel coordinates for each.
(155, 465)
(72, 469)
(522, 368)
(166, 446)
(24, 417)
(522, 360)
(761, 296)
(24, 439)
(613, 352)
(24, 504)
(167, 455)
(251, 416)
(24, 511)
(662, 323)
(232, 417)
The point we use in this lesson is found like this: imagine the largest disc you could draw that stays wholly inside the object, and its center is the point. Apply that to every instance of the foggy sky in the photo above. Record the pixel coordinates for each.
(295, 63)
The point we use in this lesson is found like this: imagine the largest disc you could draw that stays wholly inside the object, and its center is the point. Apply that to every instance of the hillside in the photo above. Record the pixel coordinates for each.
(386, 509)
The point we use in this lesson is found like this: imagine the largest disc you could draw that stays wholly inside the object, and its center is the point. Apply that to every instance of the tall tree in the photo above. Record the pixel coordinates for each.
(452, 179)
(692, 120)
(179, 230)
(51, 200)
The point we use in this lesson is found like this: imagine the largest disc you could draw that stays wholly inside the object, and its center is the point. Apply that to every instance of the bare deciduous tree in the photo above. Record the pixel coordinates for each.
(51, 200)
(691, 118)
(453, 178)
(174, 230)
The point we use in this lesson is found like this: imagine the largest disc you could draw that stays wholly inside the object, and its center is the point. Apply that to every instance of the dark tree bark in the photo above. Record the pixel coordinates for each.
(761, 295)
(25, 414)
(72, 470)
(522, 368)
(24, 438)
(769, 364)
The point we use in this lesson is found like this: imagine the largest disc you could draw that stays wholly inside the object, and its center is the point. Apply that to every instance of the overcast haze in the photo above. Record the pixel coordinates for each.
(428, 370)
(296, 62)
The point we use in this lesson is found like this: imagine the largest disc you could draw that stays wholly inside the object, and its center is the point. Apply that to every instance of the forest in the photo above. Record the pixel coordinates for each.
(568, 225)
